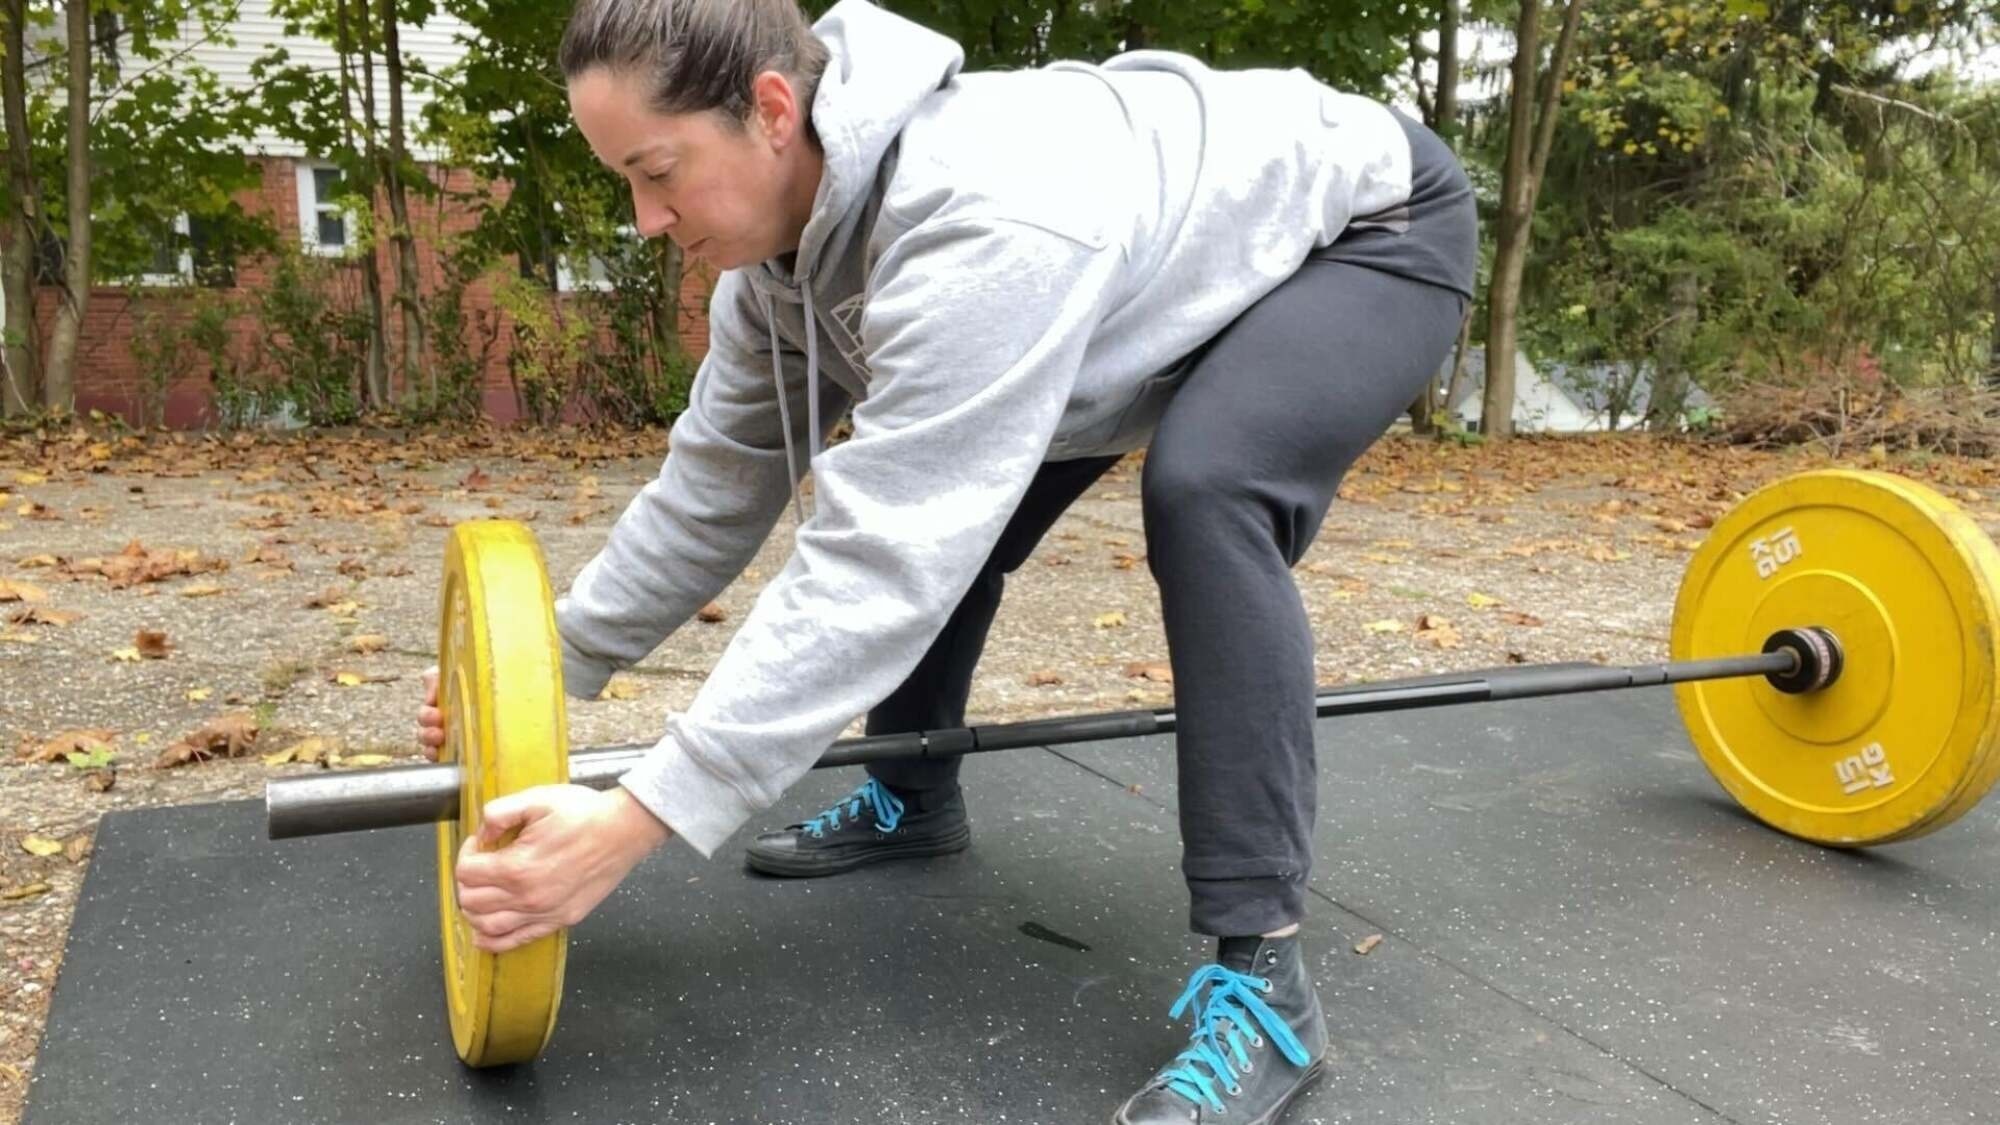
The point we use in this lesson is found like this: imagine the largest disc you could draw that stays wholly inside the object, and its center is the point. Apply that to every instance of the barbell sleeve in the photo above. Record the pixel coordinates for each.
(396, 796)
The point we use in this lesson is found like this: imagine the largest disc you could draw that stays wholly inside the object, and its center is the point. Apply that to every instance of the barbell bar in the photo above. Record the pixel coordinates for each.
(1835, 656)
(400, 796)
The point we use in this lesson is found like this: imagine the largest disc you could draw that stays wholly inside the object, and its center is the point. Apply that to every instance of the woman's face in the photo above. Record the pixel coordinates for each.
(728, 196)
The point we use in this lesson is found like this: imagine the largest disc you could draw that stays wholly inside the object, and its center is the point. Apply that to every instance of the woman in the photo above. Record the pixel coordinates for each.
(1006, 280)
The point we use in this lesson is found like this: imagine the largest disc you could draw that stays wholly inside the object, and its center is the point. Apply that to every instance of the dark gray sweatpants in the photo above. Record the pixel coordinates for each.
(1239, 475)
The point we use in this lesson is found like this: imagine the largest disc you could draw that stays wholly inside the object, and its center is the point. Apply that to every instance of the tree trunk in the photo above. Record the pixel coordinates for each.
(374, 374)
(59, 377)
(1993, 348)
(1668, 395)
(1445, 102)
(667, 314)
(408, 296)
(1528, 143)
(20, 381)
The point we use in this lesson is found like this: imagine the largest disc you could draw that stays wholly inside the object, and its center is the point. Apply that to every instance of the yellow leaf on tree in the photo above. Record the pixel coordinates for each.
(41, 845)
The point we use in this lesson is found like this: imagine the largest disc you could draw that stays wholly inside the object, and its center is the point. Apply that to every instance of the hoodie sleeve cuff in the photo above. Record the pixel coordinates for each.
(698, 806)
(583, 677)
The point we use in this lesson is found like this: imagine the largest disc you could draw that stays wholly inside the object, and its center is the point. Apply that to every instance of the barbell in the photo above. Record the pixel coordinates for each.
(1833, 653)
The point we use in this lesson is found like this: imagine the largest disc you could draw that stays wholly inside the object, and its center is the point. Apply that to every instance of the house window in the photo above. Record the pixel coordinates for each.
(594, 274)
(324, 224)
(187, 254)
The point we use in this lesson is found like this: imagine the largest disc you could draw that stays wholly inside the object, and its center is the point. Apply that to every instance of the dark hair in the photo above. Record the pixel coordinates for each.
(696, 55)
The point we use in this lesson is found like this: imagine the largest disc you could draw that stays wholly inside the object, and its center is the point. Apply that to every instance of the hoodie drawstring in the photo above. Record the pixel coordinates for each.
(812, 395)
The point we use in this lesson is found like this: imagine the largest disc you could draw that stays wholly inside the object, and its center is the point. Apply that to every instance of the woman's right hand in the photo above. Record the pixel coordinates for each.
(430, 720)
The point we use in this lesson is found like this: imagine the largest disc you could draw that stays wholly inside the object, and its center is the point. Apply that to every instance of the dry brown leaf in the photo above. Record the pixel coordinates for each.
(331, 596)
(57, 748)
(42, 615)
(620, 687)
(305, 751)
(1367, 945)
(1124, 561)
(476, 480)
(711, 613)
(21, 592)
(1159, 671)
(36, 562)
(78, 849)
(361, 761)
(1515, 617)
(1043, 679)
(227, 736)
(367, 643)
(100, 781)
(352, 568)
(152, 645)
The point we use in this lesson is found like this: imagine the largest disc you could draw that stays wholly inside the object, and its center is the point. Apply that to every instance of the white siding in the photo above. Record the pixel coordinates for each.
(255, 30)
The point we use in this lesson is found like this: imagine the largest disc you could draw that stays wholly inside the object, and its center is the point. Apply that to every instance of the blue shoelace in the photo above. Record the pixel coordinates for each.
(887, 809)
(1234, 999)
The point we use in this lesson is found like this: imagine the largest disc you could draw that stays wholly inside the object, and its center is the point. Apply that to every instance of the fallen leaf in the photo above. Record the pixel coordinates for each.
(711, 613)
(27, 891)
(41, 846)
(1605, 553)
(1515, 617)
(58, 747)
(35, 562)
(307, 751)
(24, 477)
(1123, 561)
(1112, 620)
(77, 849)
(125, 655)
(1481, 601)
(475, 480)
(152, 645)
(21, 592)
(1043, 679)
(621, 687)
(199, 695)
(1390, 626)
(43, 616)
(227, 736)
(364, 761)
(100, 781)
(367, 643)
(1159, 671)
(347, 679)
(1367, 945)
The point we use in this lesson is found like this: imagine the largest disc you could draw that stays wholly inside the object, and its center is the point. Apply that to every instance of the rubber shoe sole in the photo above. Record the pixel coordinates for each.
(829, 861)
(1277, 1112)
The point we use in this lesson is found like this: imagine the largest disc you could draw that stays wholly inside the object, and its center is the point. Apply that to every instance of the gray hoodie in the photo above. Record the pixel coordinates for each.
(1001, 269)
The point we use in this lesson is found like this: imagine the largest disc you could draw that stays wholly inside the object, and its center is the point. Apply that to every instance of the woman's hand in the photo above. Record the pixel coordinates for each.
(430, 720)
(575, 845)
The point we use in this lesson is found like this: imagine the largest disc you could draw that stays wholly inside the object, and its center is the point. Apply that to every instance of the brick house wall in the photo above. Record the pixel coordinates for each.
(108, 374)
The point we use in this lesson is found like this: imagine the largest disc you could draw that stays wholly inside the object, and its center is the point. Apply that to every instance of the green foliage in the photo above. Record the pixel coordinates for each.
(313, 341)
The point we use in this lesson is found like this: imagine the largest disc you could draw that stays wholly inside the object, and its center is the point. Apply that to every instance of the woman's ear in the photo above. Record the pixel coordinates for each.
(774, 105)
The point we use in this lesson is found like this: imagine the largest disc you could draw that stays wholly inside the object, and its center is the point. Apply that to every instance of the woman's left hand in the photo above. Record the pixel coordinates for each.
(575, 846)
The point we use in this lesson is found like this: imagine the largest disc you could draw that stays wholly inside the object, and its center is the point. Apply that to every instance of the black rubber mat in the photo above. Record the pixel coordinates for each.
(1577, 928)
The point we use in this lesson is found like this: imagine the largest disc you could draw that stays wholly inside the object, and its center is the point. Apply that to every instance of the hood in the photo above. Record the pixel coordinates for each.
(879, 70)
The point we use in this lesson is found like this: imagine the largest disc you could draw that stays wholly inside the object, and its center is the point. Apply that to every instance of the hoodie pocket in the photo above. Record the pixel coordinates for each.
(1128, 427)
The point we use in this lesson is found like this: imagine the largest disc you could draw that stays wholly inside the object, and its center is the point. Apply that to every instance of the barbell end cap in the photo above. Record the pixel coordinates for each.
(1818, 659)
